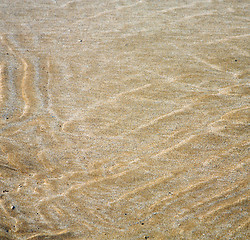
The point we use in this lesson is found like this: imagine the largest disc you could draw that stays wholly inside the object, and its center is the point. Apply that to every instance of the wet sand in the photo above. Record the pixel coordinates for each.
(124, 119)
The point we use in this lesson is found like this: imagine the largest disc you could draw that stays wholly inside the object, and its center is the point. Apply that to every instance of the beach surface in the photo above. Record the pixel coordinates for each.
(124, 119)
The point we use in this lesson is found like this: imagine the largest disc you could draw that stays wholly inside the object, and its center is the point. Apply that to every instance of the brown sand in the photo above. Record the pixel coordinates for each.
(124, 119)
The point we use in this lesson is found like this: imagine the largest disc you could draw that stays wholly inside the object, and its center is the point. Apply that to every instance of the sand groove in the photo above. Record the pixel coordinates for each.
(2, 84)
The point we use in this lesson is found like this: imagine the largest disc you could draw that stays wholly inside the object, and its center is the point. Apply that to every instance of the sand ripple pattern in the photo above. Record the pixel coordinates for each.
(124, 119)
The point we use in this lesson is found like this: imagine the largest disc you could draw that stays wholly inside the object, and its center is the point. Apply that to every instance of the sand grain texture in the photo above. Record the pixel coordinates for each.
(124, 119)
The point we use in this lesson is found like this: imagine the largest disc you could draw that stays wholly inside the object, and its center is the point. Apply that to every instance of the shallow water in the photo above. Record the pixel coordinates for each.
(124, 119)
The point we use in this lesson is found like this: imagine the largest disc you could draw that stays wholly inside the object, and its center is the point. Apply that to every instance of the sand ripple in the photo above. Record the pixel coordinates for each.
(124, 120)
